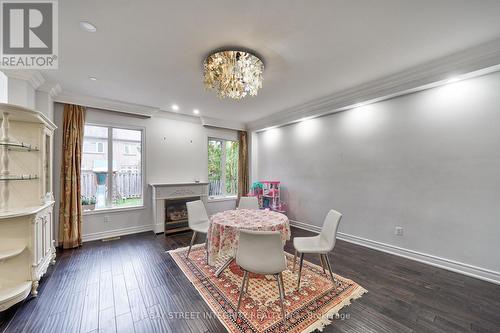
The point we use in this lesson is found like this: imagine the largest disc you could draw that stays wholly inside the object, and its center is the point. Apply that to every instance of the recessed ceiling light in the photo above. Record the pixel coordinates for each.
(87, 26)
(196, 111)
(175, 107)
(92, 78)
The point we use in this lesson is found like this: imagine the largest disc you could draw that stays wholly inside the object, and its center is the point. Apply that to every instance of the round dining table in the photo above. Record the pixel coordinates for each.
(223, 232)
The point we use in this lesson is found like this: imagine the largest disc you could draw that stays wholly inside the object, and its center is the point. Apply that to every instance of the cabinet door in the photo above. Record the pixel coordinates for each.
(47, 234)
(37, 240)
(47, 143)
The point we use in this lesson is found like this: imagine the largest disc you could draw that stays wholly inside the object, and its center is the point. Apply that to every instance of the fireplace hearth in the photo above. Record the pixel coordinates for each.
(169, 204)
(176, 217)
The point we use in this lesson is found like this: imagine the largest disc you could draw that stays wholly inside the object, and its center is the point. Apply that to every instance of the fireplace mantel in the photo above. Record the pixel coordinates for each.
(166, 191)
(177, 184)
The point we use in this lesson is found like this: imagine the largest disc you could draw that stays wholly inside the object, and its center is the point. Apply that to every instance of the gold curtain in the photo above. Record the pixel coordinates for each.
(70, 208)
(242, 164)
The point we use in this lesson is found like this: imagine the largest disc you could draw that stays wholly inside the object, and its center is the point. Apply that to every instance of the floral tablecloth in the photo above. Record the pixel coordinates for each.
(223, 233)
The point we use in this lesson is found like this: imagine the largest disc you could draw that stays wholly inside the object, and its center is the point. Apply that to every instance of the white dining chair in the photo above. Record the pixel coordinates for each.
(197, 221)
(321, 244)
(248, 203)
(261, 252)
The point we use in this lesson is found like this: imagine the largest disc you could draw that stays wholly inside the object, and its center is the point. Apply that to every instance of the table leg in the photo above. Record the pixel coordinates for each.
(223, 267)
(206, 246)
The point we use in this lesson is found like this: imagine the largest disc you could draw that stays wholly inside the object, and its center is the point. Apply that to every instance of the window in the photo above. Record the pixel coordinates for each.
(111, 168)
(222, 167)
(131, 149)
(91, 146)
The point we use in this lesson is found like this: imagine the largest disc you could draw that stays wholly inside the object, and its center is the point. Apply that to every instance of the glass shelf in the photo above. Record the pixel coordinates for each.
(18, 146)
(18, 177)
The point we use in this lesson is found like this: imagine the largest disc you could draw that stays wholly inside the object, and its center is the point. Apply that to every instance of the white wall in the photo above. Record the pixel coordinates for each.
(44, 103)
(4, 89)
(176, 151)
(21, 92)
(428, 161)
(253, 153)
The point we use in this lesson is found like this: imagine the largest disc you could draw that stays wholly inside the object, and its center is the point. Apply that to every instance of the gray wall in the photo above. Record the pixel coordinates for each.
(428, 161)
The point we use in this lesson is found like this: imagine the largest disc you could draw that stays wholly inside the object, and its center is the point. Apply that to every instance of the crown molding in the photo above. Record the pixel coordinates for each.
(140, 110)
(34, 78)
(167, 114)
(223, 123)
(481, 60)
(106, 104)
(52, 89)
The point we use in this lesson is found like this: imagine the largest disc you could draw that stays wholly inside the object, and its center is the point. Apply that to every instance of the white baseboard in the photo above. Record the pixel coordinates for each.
(116, 232)
(158, 228)
(451, 265)
(305, 226)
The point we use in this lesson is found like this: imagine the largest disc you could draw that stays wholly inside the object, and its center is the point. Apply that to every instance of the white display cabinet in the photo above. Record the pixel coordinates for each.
(26, 202)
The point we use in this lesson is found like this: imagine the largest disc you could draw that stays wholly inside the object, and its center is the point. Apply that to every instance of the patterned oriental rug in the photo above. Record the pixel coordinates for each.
(314, 307)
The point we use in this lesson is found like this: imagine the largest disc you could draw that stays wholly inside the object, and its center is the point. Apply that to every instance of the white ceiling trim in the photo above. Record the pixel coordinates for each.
(141, 110)
(52, 89)
(478, 59)
(222, 123)
(34, 78)
(106, 104)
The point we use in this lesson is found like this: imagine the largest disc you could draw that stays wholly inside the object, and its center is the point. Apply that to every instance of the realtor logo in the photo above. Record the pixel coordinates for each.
(29, 34)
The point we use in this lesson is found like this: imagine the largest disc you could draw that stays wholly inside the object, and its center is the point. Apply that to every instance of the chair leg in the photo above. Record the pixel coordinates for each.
(191, 244)
(300, 269)
(279, 277)
(322, 263)
(329, 266)
(245, 276)
(294, 261)
(224, 266)
(248, 283)
(282, 284)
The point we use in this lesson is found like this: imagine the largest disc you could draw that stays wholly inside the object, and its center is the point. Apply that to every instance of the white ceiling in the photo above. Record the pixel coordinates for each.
(151, 52)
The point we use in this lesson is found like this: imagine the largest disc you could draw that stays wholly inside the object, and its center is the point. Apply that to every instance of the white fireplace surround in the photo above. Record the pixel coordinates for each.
(168, 191)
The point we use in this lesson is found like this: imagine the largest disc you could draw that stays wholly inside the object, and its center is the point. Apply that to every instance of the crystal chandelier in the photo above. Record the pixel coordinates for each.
(233, 74)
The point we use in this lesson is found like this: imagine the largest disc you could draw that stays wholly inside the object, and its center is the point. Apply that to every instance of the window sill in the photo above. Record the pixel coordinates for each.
(112, 210)
(225, 198)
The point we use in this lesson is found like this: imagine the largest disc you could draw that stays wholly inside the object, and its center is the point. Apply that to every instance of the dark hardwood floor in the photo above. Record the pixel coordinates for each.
(129, 285)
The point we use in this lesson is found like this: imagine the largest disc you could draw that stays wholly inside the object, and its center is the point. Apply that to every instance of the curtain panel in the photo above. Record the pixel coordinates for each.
(243, 178)
(70, 208)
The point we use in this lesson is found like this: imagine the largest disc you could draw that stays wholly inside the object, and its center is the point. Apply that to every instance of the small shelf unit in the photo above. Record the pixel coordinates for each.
(12, 293)
(18, 177)
(11, 253)
(18, 146)
(26, 202)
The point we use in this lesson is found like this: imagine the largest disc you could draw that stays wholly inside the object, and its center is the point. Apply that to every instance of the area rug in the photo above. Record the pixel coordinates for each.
(313, 307)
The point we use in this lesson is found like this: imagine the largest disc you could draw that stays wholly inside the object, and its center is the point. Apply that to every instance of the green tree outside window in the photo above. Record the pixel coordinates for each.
(222, 167)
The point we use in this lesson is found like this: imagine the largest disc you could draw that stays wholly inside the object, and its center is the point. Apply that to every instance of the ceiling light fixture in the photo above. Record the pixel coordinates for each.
(196, 111)
(87, 26)
(175, 107)
(92, 78)
(233, 74)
